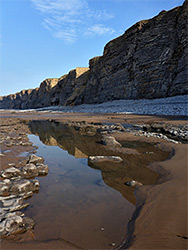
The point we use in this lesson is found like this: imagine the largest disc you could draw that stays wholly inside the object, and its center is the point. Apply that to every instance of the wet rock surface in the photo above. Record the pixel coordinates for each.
(133, 183)
(30, 170)
(110, 141)
(172, 133)
(177, 132)
(115, 159)
(12, 200)
(14, 189)
(16, 185)
(13, 192)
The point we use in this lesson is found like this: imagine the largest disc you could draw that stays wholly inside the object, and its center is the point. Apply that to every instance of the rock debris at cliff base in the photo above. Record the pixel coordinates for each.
(177, 105)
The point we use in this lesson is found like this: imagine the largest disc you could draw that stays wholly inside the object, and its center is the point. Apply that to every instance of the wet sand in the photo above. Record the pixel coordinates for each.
(160, 220)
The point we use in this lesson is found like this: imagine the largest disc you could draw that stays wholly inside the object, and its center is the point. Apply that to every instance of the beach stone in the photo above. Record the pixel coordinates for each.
(10, 202)
(35, 185)
(4, 188)
(110, 141)
(115, 159)
(35, 159)
(10, 172)
(24, 186)
(29, 170)
(133, 183)
(28, 195)
(42, 169)
(15, 224)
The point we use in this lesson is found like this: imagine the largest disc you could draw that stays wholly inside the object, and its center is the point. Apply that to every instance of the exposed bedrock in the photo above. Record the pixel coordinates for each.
(148, 61)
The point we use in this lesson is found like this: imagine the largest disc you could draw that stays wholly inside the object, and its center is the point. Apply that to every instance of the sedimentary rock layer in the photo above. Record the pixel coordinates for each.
(150, 60)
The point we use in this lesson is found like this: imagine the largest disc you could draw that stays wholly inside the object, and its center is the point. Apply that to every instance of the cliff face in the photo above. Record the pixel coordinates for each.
(148, 61)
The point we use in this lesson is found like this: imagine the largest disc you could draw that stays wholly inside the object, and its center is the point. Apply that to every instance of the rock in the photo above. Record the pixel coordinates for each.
(14, 224)
(110, 141)
(35, 185)
(10, 172)
(133, 183)
(11, 225)
(4, 188)
(29, 171)
(135, 65)
(42, 169)
(115, 159)
(24, 186)
(35, 159)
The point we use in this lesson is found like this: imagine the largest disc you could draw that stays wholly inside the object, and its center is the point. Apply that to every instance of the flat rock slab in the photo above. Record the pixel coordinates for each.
(115, 159)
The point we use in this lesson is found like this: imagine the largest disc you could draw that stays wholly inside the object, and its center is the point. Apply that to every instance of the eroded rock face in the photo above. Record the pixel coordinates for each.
(148, 61)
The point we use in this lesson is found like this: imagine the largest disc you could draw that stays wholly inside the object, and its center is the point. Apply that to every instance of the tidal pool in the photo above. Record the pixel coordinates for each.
(87, 205)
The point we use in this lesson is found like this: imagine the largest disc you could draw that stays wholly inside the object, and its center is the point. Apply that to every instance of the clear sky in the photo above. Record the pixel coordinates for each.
(47, 38)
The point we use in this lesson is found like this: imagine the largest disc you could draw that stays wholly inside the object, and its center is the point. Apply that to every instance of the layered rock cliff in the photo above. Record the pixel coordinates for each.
(150, 60)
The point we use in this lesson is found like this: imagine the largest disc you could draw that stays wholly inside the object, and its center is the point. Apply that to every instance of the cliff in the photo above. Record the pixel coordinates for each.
(148, 61)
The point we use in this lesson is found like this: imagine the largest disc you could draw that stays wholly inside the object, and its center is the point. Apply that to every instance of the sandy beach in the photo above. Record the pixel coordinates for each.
(160, 218)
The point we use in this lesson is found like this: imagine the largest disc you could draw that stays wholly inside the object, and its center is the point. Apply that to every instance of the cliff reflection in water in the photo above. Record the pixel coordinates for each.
(84, 143)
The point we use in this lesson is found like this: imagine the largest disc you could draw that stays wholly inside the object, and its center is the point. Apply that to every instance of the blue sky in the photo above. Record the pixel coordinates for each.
(42, 39)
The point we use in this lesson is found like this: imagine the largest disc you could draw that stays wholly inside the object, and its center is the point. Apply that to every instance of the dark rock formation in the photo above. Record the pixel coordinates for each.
(148, 61)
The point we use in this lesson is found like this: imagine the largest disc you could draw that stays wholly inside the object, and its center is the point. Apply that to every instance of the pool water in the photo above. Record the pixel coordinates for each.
(87, 205)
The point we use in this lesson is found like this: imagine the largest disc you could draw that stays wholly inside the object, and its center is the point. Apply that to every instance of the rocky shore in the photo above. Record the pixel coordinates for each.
(18, 181)
(18, 172)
